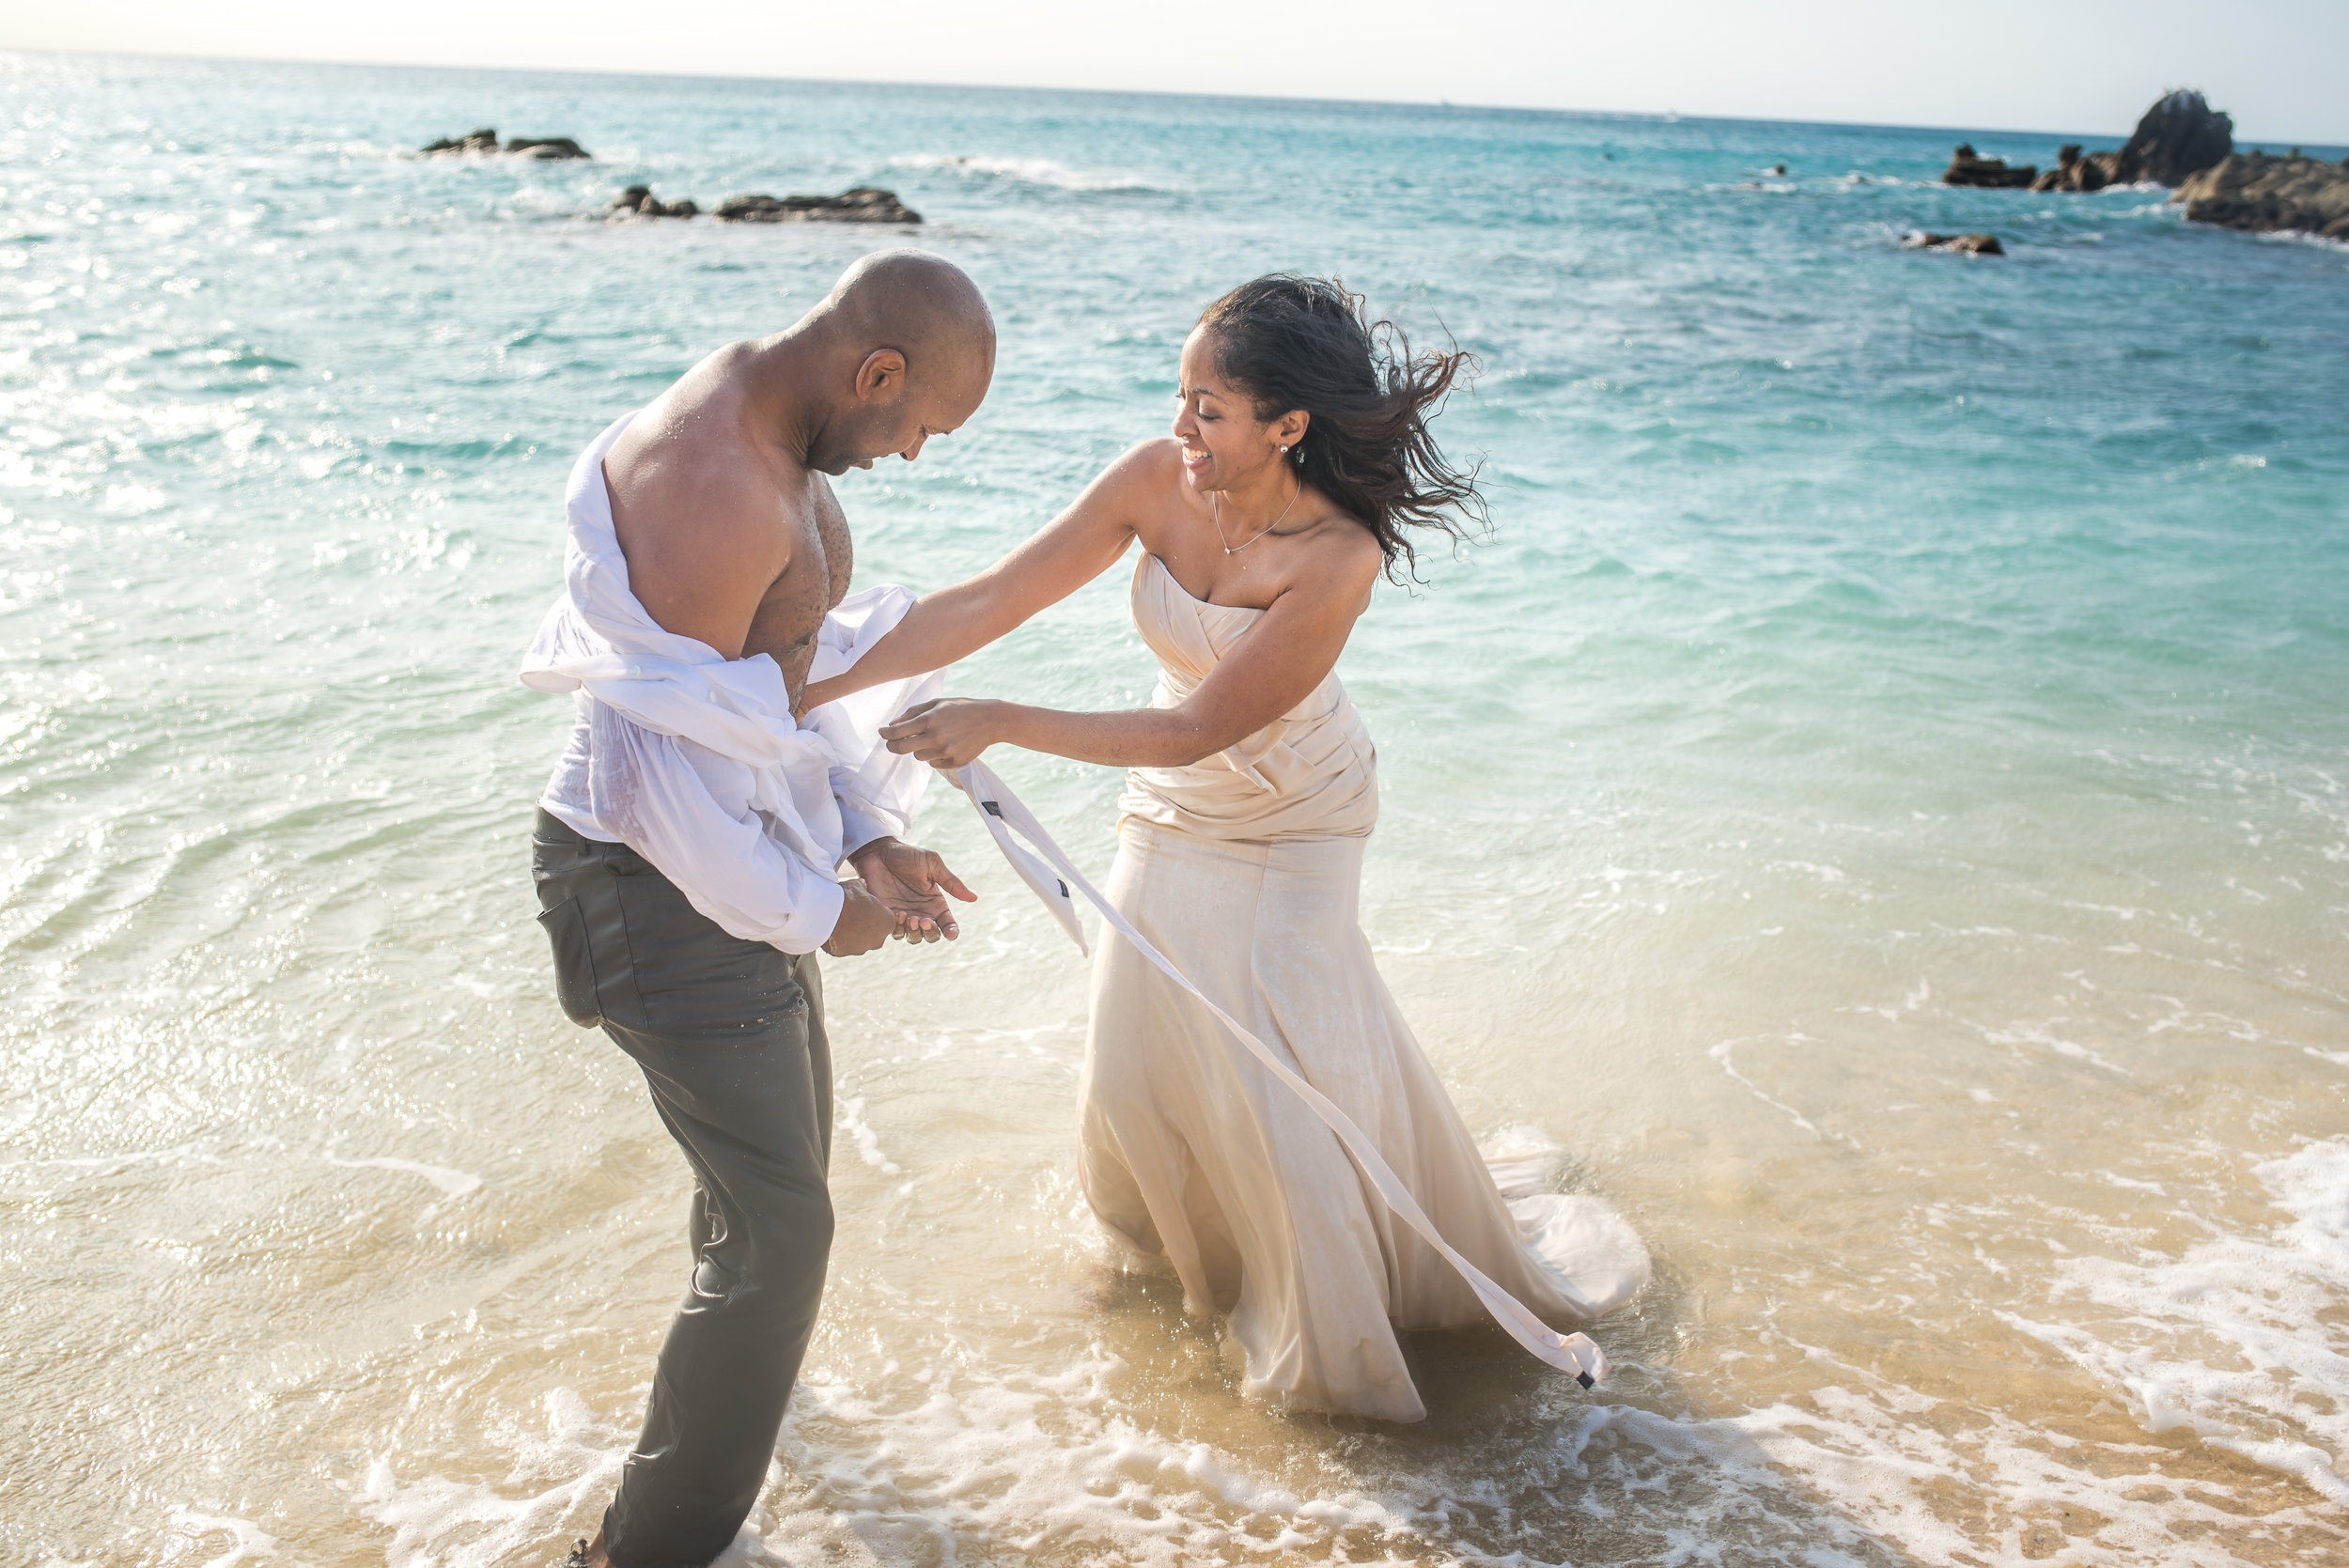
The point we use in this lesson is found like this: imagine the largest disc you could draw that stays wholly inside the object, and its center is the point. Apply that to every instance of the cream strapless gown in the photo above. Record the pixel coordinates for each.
(1245, 869)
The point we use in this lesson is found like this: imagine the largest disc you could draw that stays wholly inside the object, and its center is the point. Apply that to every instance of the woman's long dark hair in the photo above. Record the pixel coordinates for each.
(1295, 342)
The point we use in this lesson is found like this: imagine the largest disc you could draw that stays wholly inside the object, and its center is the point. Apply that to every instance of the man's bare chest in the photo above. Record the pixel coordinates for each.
(792, 611)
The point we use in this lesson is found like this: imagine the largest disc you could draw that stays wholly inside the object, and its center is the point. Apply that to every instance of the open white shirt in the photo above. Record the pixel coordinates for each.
(694, 761)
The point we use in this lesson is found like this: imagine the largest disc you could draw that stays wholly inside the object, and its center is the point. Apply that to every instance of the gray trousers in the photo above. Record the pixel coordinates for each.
(730, 1034)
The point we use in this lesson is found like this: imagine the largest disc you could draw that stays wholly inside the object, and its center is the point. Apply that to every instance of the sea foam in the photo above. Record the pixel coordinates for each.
(2239, 1338)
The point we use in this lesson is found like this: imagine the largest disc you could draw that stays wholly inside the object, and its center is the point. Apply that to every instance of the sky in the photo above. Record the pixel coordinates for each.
(2088, 66)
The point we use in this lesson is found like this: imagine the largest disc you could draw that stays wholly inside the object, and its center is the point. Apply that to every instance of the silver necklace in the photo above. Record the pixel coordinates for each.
(1215, 510)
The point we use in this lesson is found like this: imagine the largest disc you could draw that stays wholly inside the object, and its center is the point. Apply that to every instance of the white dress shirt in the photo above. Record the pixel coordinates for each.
(694, 761)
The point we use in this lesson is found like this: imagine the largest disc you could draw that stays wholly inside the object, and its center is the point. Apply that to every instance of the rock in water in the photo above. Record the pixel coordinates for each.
(548, 146)
(1967, 167)
(483, 140)
(2181, 135)
(2074, 173)
(1963, 244)
(866, 204)
(639, 200)
(486, 140)
(2257, 191)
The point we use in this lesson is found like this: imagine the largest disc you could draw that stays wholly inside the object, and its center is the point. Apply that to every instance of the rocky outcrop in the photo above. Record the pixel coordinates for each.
(2181, 135)
(2178, 137)
(2074, 173)
(486, 140)
(639, 200)
(866, 204)
(2258, 191)
(547, 146)
(483, 140)
(1967, 167)
(1963, 244)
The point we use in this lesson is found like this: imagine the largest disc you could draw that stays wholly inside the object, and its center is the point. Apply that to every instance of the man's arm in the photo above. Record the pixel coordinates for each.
(706, 539)
(703, 533)
(725, 864)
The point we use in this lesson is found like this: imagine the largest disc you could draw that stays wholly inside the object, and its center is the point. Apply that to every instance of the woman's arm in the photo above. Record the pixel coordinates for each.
(1050, 564)
(1275, 665)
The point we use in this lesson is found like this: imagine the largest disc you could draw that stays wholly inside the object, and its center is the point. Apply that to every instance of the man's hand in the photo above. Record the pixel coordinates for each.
(864, 924)
(914, 883)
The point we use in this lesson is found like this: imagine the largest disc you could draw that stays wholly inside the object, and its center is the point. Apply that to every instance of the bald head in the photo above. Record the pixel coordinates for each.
(913, 301)
(914, 349)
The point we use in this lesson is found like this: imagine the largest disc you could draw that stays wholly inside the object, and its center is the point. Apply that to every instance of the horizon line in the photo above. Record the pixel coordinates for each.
(1666, 116)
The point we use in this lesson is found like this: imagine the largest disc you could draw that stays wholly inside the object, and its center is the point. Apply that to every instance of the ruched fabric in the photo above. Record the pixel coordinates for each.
(1311, 773)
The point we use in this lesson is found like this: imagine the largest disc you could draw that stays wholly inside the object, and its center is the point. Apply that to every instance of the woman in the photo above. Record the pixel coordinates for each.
(1299, 457)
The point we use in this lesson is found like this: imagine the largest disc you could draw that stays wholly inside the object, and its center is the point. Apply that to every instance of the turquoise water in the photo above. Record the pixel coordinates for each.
(1878, 800)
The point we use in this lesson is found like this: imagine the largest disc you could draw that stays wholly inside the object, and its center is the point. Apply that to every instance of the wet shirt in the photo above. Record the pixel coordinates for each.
(695, 761)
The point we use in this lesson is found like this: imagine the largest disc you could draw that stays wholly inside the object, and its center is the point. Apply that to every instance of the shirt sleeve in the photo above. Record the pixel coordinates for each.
(649, 792)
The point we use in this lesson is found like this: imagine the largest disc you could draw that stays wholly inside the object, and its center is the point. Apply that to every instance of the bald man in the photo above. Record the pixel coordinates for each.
(689, 938)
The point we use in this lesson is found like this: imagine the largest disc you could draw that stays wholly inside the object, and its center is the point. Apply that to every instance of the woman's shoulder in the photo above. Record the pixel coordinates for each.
(1153, 461)
(1343, 545)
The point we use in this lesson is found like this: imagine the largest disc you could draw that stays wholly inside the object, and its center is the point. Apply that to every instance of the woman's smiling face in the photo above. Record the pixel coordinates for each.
(1223, 439)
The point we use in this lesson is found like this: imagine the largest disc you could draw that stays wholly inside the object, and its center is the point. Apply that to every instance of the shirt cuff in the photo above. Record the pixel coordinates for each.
(814, 922)
(859, 828)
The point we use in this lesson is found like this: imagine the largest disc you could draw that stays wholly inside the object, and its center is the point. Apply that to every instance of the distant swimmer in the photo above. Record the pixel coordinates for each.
(689, 850)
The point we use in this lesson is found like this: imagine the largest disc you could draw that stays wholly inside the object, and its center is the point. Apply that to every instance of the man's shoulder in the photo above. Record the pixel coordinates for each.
(701, 415)
(694, 458)
(700, 503)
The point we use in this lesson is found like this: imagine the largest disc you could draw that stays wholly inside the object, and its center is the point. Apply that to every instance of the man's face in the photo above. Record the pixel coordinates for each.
(893, 410)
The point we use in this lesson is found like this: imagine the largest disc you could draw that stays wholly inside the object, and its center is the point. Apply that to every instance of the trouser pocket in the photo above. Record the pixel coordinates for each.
(574, 963)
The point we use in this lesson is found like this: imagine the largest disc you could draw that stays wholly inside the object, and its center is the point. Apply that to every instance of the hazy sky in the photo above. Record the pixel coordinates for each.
(2091, 66)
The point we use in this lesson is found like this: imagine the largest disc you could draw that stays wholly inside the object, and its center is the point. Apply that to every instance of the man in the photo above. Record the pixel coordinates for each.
(687, 849)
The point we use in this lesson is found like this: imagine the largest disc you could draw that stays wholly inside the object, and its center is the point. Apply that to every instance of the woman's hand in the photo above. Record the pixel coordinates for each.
(946, 733)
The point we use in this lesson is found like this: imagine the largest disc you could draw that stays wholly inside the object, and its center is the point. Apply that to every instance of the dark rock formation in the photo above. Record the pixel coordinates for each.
(483, 140)
(2179, 135)
(865, 205)
(548, 146)
(1963, 244)
(2257, 191)
(2074, 173)
(639, 200)
(1967, 167)
(486, 140)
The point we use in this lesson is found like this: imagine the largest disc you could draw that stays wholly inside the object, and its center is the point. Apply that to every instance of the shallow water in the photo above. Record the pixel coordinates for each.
(1878, 802)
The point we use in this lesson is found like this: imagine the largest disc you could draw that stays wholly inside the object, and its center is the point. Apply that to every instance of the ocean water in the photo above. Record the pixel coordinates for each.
(1879, 802)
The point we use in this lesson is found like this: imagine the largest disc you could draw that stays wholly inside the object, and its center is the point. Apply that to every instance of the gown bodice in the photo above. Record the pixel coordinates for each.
(1311, 773)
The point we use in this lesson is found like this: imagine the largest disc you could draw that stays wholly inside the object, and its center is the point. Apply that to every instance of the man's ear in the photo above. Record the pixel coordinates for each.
(883, 376)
